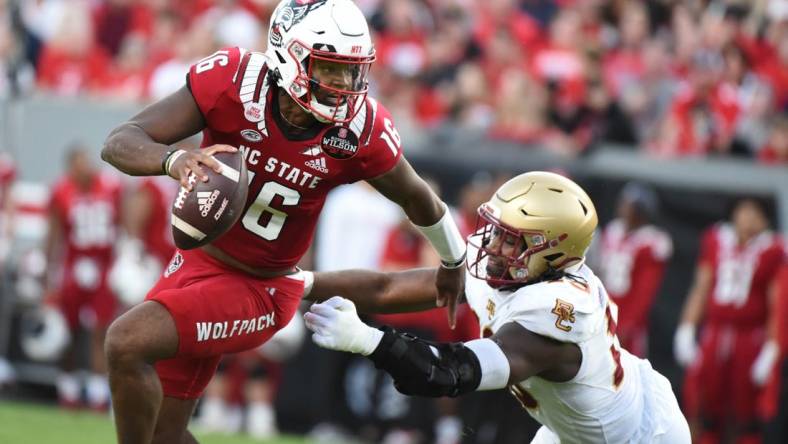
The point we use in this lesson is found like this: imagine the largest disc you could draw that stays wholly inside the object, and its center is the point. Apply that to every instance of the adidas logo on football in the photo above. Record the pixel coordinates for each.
(206, 199)
(317, 164)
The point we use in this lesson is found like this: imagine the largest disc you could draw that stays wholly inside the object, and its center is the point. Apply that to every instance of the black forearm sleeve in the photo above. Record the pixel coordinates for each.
(424, 368)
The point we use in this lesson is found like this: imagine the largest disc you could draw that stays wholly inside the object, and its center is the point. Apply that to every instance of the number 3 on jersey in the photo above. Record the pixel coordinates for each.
(270, 229)
(618, 373)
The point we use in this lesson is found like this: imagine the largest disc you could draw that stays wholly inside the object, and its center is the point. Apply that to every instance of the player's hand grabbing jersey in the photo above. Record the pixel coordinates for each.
(289, 179)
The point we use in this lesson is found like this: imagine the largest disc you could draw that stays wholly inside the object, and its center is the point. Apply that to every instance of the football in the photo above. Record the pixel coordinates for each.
(211, 208)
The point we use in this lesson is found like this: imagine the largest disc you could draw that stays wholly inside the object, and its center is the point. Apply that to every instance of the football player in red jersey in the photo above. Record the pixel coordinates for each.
(83, 225)
(301, 117)
(633, 257)
(737, 264)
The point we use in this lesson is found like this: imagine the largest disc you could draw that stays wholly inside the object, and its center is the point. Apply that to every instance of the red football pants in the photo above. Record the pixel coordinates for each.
(217, 310)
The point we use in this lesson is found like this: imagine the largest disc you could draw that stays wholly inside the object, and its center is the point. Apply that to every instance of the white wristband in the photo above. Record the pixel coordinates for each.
(170, 160)
(495, 365)
(446, 239)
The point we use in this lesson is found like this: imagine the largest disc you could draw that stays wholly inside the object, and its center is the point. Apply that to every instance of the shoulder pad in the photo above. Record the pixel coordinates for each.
(561, 310)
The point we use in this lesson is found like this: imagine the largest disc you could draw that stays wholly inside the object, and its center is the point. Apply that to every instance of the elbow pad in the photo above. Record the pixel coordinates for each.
(424, 368)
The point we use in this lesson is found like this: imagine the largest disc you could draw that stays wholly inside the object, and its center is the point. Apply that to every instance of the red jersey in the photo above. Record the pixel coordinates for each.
(289, 179)
(157, 233)
(632, 267)
(89, 217)
(701, 121)
(741, 275)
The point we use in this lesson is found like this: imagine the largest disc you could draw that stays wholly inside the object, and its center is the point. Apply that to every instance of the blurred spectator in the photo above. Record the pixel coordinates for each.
(647, 98)
(468, 100)
(625, 64)
(71, 62)
(504, 16)
(114, 20)
(516, 118)
(632, 263)
(127, 77)
(704, 112)
(234, 24)
(196, 43)
(83, 227)
(16, 73)
(737, 264)
(775, 150)
(166, 29)
(402, 27)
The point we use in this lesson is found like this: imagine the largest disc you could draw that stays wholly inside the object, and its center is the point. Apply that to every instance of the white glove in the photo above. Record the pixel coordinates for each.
(133, 272)
(336, 326)
(684, 347)
(762, 367)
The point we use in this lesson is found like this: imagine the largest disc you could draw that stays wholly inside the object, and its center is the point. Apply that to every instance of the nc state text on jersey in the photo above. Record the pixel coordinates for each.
(280, 168)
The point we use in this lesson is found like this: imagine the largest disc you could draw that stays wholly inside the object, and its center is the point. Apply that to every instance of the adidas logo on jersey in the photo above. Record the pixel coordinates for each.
(317, 164)
(206, 199)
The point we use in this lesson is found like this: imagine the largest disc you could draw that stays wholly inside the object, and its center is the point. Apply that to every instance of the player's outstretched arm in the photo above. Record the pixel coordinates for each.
(138, 147)
(431, 216)
(425, 368)
(376, 292)
(141, 146)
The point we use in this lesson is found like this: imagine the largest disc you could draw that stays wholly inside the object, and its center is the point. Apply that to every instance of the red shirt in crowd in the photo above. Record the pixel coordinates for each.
(69, 74)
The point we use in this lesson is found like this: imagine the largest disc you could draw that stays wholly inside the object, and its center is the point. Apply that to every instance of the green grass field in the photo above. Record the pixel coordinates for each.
(22, 423)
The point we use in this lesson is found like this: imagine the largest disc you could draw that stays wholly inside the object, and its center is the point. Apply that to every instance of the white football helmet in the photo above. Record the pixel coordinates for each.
(44, 334)
(320, 52)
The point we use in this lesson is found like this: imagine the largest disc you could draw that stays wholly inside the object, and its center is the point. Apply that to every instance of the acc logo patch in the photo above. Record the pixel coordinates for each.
(175, 264)
(339, 142)
(565, 312)
(251, 135)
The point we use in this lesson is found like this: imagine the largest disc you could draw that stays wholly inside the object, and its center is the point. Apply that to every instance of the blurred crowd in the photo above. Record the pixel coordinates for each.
(674, 78)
